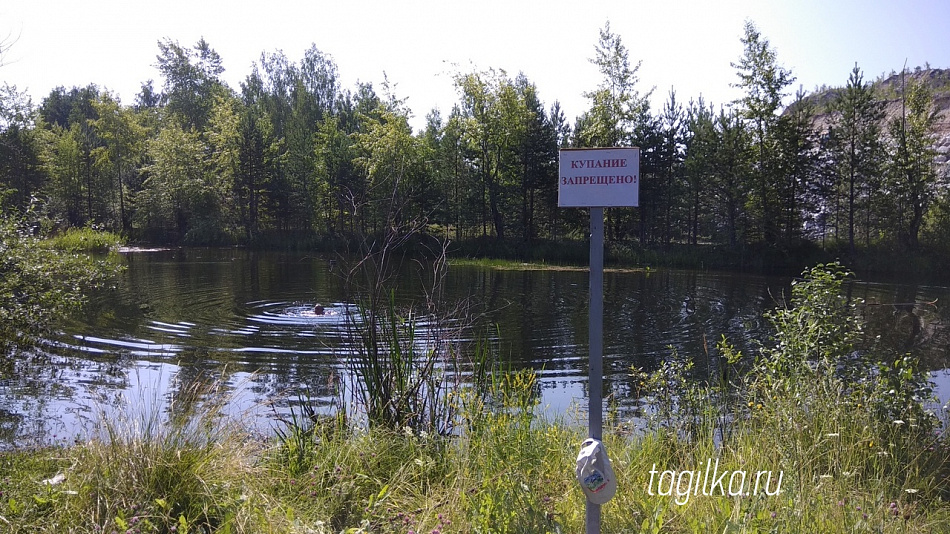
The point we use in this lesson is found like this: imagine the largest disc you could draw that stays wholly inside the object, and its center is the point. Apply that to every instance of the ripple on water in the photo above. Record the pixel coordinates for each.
(293, 313)
(136, 347)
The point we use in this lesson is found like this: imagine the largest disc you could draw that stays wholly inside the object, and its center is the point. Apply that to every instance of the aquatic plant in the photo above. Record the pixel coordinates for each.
(407, 358)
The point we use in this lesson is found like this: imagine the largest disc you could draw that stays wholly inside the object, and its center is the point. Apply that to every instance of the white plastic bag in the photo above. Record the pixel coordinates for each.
(594, 472)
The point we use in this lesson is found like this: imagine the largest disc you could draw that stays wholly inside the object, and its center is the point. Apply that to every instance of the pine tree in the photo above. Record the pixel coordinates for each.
(858, 146)
(764, 83)
(912, 170)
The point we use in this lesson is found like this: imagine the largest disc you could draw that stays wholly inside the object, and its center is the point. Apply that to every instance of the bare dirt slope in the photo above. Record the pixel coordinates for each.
(889, 89)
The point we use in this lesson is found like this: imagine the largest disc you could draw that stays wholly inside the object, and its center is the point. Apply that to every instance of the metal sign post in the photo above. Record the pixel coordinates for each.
(596, 343)
(595, 179)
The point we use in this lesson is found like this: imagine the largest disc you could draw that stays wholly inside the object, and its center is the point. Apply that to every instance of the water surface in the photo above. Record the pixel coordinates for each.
(243, 321)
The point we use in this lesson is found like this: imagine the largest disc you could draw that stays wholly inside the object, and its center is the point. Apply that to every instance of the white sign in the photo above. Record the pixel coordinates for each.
(599, 178)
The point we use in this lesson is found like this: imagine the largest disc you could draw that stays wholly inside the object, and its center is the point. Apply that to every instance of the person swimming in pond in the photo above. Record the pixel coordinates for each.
(318, 309)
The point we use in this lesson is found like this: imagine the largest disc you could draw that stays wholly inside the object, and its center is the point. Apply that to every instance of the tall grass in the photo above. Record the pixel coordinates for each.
(144, 470)
(510, 470)
(404, 368)
(85, 239)
(407, 359)
(844, 422)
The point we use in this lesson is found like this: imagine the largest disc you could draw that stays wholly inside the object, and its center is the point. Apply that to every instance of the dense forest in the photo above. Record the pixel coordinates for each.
(293, 158)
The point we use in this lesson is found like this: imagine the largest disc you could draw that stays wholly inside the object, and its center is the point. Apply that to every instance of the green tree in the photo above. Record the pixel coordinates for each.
(858, 146)
(192, 79)
(936, 226)
(39, 286)
(20, 168)
(332, 149)
(314, 98)
(490, 108)
(652, 189)
(258, 155)
(360, 112)
(700, 148)
(536, 157)
(556, 220)
(617, 107)
(433, 183)
(290, 104)
(121, 154)
(673, 125)
(618, 116)
(62, 161)
(68, 118)
(796, 165)
(176, 196)
(913, 173)
(317, 90)
(730, 163)
(764, 83)
(454, 158)
(225, 138)
(391, 157)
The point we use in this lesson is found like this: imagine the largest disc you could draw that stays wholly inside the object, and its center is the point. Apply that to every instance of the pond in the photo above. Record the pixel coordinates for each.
(242, 322)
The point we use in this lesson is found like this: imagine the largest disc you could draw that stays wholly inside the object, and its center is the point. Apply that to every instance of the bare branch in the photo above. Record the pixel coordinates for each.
(6, 43)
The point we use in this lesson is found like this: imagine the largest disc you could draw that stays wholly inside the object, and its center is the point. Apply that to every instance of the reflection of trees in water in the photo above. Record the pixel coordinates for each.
(902, 321)
(648, 317)
(317, 382)
(212, 288)
(38, 387)
(207, 377)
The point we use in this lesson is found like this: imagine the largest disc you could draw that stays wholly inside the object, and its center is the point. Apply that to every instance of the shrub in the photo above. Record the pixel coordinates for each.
(39, 285)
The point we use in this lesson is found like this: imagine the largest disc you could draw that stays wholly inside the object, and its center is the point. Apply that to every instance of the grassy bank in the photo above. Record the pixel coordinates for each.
(877, 261)
(84, 240)
(513, 265)
(836, 470)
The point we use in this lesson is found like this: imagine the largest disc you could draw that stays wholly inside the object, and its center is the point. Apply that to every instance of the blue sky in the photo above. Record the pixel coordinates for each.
(687, 45)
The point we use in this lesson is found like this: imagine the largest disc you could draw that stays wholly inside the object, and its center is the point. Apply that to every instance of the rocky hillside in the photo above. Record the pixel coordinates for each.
(889, 89)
